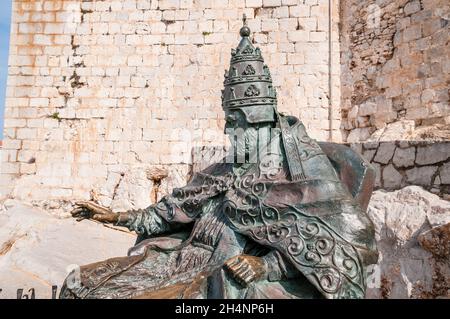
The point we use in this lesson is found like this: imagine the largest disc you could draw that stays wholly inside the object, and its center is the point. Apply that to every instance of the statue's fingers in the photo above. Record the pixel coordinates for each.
(97, 218)
(241, 272)
(91, 205)
(98, 208)
(244, 268)
(249, 276)
(82, 203)
(244, 278)
(232, 262)
(237, 267)
(87, 204)
(82, 213)
(80, 219)
(76, 211)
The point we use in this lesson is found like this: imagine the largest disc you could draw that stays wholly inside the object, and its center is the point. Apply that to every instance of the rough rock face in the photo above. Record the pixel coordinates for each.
(36, 248)
(409, 267)
(407, 130)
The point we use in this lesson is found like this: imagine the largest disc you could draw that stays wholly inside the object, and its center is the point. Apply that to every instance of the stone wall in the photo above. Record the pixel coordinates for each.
(405, 163)
(102, 91)
(395, 65)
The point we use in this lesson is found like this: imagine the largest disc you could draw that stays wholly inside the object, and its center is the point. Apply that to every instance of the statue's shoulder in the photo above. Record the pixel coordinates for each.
(297, 127)
(355, 171)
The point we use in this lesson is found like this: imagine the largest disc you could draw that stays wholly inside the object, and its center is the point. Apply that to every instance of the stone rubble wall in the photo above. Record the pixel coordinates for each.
(99, 91)
(395, 65)
(404, 163)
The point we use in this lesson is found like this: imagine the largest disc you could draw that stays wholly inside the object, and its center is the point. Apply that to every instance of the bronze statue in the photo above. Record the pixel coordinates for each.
(284, 218)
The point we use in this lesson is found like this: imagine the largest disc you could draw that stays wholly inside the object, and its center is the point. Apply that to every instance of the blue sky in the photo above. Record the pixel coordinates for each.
(5, 22)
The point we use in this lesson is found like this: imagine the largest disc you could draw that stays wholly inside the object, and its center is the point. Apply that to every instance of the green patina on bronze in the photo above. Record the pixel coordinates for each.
(288, 222)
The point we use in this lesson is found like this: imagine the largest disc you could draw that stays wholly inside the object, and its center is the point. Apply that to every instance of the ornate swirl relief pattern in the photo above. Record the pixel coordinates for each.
(312, 245)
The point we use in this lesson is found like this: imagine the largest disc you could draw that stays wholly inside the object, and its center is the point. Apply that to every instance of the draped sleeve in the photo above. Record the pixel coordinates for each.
(182, 206)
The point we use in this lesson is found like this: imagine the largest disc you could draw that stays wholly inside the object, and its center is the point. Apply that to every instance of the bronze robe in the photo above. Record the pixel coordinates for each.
(314, 234)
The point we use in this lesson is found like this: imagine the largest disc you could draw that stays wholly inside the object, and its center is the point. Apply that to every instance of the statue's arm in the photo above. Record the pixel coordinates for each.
(161, 218)
(173, 211)
(144, 222)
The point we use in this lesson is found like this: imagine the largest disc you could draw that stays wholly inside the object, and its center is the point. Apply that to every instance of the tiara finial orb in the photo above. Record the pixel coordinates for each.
(245, 30)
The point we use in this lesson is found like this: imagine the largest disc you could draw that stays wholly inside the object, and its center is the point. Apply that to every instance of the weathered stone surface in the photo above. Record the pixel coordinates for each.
(405, 269)
(389, 50)
(434, 153)
(434, 132)
(371, 145)
(36, 248)
(400, 130)
(359, 134)
(437, 241)
(377, 168)
(404, 157)
(421, 175)
(392, 179)
(384, 153)
(445, 173)
(368, 155)
(367, 108)
(100, 88)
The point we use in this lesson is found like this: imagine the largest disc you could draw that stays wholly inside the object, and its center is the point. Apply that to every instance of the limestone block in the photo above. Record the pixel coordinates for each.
(289, 2)
(169, 4)
(368, 155)
(27, 133)
(317, 36)
(400, 130)
(412, 7)
(392, 179)
(367, 108)
(445, 173)
(404, 157)
(385, 152)
(269, 25)
(253, 3)
(433, 153)
(412, 33)
(271, 3)
(421, 175)
(299, 11)
(358, 134)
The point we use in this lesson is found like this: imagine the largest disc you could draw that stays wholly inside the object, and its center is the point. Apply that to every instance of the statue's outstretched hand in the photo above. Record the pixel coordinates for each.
(91, 210)
(246, 269)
